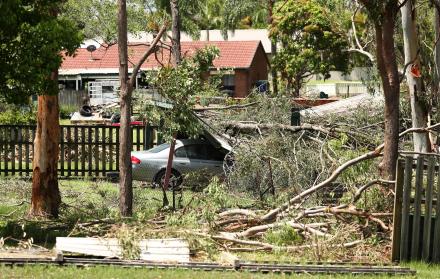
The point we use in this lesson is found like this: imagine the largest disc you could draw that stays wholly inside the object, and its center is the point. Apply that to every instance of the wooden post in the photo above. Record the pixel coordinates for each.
(397, 215)
(415, 247)
(404, 229)
(436, 242)
(428, 211)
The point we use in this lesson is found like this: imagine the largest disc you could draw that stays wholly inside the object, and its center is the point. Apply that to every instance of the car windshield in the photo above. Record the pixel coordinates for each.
(159, 148)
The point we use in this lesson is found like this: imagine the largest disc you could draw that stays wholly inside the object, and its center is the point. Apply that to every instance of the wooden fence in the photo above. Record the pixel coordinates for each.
(71, 98)
(416, 233)
(84, 150)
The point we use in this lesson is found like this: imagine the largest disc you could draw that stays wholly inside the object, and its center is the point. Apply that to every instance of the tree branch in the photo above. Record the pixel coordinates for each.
(151, 50)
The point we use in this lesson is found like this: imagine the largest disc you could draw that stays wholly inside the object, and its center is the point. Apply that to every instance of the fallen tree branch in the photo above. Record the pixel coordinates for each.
(225, 107)
(271, 215)
(310, 228)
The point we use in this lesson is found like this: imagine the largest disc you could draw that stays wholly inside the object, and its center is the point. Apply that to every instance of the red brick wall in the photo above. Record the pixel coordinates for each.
(242, 84)
(246, 79)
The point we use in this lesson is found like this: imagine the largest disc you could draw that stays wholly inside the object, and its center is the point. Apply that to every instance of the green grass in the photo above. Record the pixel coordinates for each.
(423, 271)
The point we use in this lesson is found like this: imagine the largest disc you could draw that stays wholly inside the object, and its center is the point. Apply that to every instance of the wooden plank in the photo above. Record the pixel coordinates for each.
(138, 138)
(76, 147)
(110, 145)
(20, 150)
(27, 149)
(90, 150)
(117, 148)
(83, 151)
(417, 210)
(404, 231)
(34, 130)
(397, 213)
(436, 240)
(6, 158)
(96, 143)
(104, 151)
(428, 210)
(13, 141)
(62, 152)
(151, 249)
(69, 151)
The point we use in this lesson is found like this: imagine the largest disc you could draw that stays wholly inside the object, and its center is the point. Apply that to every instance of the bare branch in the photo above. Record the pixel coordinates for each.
(151, 50)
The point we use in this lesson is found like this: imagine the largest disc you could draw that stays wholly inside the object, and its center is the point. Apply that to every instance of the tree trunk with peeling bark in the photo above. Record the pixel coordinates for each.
(273, 46)
(46, 197)
(419, 112)
(175, 32)
(125, 143)
(386, 59)
(384, 14)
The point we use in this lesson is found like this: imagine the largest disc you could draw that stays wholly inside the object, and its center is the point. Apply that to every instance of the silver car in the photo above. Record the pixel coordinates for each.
(189, 156)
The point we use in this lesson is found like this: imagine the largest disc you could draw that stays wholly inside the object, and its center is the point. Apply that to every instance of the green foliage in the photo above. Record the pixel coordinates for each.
(66, 111)
(32, 38)
(312, 43)
(283, 236)
(128, 239)
(179, 85)
(17, 116)
(98, 18)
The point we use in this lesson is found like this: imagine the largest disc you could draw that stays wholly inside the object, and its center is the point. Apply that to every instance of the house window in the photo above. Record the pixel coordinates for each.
(228, 80)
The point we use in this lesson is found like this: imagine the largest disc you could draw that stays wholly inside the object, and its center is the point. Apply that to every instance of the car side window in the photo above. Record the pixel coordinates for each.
(214, 154)
(181, 152)
(196, 151)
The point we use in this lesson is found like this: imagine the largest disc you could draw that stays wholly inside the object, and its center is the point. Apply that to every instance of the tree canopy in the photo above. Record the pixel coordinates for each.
(31, 40)
(311, 44)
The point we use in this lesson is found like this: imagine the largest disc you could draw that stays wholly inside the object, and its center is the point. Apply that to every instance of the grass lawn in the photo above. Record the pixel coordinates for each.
(423, 271)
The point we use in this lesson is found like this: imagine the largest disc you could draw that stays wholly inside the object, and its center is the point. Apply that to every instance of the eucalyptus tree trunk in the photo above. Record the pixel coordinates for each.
(387, 66)
(419, 111)
(175, 32)
(383, 14)
(125, 143)
(46, 197)
(176, 58)
(436, 81)
(273, 46)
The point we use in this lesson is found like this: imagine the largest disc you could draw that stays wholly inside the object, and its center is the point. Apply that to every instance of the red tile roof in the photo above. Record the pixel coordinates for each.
(233, 54)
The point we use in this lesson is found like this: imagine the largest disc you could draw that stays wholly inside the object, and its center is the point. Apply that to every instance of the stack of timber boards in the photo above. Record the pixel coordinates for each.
(157, 250)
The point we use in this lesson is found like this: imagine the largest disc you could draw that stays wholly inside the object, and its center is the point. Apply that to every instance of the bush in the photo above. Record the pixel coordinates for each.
(66, 111)
(22, 117)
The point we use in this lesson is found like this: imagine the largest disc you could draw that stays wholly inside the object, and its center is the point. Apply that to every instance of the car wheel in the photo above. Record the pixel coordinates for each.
(175, 179)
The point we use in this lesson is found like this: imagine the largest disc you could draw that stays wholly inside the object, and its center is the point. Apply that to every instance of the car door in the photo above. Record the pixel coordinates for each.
(181, 161)
(213, 159)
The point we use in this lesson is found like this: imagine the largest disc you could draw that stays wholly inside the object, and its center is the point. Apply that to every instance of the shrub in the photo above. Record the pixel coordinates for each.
(66, 111)
(17, 117)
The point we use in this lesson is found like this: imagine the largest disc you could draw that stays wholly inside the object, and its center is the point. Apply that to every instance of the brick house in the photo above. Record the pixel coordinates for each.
(245, 64)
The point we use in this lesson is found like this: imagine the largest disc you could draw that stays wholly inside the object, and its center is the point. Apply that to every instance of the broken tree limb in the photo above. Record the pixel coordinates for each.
(225, 107)
(362, 189)
(237, 211)
(310, 228)
(252, 127)
(272, 215)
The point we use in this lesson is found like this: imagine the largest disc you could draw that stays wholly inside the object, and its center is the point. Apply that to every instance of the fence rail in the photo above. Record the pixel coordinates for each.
(84, 150)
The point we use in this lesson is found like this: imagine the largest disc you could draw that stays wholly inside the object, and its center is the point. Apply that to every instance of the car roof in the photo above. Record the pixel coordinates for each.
(192, 141)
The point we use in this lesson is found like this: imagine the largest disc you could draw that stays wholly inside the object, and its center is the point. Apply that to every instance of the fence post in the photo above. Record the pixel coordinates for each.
(397, 214)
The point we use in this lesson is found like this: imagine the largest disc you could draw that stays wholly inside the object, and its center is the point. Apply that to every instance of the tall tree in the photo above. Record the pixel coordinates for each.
(383, 15)
(311, 43)
(32, 38)
(175, 32)
(419, 110)
(127, 84)
(175, 58)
